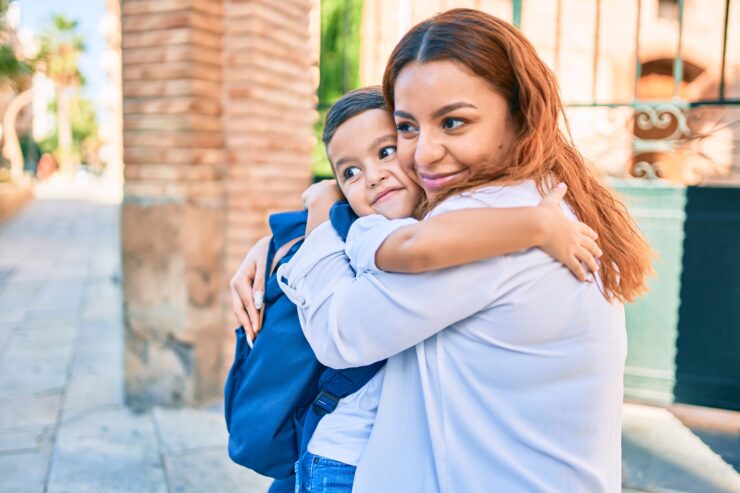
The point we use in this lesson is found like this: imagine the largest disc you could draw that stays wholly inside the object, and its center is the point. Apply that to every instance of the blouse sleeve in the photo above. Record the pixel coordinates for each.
(365, 237)
(352, 321)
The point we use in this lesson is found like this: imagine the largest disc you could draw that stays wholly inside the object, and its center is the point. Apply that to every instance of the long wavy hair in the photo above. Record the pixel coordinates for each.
(541, 151)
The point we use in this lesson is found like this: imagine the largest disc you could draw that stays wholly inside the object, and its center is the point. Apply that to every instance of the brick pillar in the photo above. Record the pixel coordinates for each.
(270, 78)
(219, 100)
(173, 218)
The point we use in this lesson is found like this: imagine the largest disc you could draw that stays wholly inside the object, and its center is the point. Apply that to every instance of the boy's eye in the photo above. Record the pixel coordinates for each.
(350, 172)
(452, 123)
(405, 128)
(387, 152)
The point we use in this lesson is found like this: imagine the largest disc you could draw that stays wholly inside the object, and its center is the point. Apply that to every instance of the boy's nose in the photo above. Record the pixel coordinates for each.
(374, 176)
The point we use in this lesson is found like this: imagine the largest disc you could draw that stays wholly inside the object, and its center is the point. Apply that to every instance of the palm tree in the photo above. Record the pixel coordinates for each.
(16, 75)
(58, 57)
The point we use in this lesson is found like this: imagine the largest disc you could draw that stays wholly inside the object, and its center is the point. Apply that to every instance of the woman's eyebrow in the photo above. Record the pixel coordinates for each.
(403, 114)
(451, 107)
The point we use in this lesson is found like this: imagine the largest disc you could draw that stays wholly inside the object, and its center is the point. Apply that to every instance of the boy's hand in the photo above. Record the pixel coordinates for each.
(318, 199)
(247, 288)
(321, 193)
(570, 242)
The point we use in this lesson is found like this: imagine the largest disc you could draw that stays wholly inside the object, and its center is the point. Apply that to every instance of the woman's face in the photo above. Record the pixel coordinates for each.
(450, 122)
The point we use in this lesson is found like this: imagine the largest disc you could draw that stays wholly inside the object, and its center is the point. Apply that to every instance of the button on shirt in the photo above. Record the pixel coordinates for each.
(503, 375)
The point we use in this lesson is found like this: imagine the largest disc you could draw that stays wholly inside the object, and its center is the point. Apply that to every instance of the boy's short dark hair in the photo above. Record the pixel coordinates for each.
(349, 105)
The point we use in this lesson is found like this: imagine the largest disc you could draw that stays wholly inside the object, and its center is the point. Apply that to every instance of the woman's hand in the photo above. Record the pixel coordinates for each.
(569, 242)
(318, 199)
(247, 288)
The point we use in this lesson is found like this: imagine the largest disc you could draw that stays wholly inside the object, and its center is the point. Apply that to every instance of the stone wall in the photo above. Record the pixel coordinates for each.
(218, 113)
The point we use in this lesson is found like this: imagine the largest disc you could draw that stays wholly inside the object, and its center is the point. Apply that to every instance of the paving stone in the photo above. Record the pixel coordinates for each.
(24, 370)
(108, 450)
(23, 472)
(661, 454)
(29, 410)
(6, 330)
(61, 316)
(24, 439)
(213, 472)
(102, 300)
(18, 299)
(12, 315)
(60, 296)
(42, 335)
(96, 378)
(205, 428)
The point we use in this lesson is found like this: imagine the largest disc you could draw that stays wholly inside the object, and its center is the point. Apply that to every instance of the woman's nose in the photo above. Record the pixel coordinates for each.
(428, 151)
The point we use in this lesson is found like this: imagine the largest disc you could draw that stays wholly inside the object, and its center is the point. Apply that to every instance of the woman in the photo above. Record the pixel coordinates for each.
(505, 374)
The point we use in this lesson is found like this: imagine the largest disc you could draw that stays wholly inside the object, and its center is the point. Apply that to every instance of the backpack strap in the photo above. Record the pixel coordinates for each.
(274, 256)
(333, 386)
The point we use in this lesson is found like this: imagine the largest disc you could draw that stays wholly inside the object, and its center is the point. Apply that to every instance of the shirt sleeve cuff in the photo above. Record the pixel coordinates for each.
(366, 236)
(323, 242)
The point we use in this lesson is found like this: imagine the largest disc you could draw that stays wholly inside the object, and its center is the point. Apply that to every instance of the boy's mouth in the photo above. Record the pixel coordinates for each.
(385, 194)
(436, 182)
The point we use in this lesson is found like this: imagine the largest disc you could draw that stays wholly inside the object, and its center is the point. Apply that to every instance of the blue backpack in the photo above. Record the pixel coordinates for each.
(277, 392)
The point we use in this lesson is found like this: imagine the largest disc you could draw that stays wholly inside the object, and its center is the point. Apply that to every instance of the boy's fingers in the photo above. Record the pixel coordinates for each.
(577, 269)
(592, 247)
(586, 257)
(586, 230)
(553, 198)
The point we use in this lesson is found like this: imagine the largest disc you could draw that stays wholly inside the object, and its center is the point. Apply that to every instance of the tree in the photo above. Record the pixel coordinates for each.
(58, 57)
(13, 72)
(16, 74)
(339, 64)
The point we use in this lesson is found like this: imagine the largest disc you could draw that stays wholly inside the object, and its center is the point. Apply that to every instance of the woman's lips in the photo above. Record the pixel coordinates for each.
(385, 195)
(435, 182)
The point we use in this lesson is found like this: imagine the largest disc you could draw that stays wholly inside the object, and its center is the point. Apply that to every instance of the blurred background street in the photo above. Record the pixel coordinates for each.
(145, 142)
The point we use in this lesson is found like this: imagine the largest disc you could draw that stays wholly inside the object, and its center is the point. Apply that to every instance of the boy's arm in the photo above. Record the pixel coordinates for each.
(318, 199)
(464, 236)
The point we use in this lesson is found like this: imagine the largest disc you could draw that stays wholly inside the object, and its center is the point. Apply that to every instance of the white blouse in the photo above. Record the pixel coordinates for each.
(503, 375)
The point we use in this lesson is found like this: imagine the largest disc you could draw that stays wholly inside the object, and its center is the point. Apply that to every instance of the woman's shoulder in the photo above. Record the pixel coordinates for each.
(522, 194)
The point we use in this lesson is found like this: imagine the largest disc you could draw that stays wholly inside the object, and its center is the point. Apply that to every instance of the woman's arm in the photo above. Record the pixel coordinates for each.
(457, 238)
(247, 288)
(352, 321)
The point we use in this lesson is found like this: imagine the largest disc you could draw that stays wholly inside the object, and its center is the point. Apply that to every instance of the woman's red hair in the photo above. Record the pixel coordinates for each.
(496, 51)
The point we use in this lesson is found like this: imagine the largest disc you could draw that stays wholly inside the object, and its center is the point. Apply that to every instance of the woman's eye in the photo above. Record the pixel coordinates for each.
(350, 172)
(405, 128)
(452, 123)
(387, 152)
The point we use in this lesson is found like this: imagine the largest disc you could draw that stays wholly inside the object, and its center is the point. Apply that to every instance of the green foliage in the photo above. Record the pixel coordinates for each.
(14, 72)
(59, 51)
(320, 167)
(339, 65)
(84, 127)
(339, 62)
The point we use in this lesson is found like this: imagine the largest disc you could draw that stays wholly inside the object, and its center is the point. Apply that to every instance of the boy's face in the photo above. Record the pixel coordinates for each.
(363, 154)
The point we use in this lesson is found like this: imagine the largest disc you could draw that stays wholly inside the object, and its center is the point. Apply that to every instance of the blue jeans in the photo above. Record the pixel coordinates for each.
(316, 474)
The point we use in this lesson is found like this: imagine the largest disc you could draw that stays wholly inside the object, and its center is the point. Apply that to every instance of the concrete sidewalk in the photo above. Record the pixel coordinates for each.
(63, 424)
